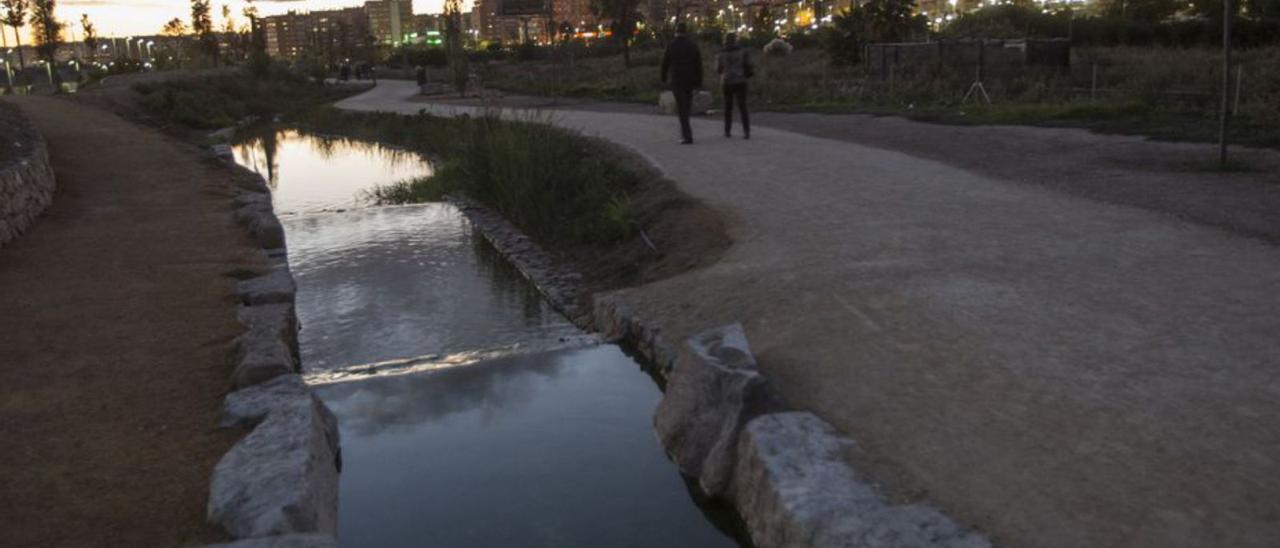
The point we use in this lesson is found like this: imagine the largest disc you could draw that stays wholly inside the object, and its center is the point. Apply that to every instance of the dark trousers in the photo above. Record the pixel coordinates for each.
(732, 93)
(684, 104)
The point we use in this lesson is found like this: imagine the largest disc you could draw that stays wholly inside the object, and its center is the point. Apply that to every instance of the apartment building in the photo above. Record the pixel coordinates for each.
(331, 33)
(390, 21)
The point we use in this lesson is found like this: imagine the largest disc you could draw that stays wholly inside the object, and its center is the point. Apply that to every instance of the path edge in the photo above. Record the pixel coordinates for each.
(277, 486)
(726, 426)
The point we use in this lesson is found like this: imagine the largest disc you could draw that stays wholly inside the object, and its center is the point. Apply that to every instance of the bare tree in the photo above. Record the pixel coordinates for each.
(458, 69)
(624, 17)
(15, 15)
(228, 24)
(46, 28)
(90, 32)
(175, 28)
(202, 27)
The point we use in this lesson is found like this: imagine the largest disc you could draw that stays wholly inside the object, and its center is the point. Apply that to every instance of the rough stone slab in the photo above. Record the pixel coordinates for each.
(262, 223)
(714, 389)
(793, 489)
(274, 287)
(260, 355)
(224, 134)
(248, 407)
(251, 181)
(282, 478)
(246, 198)
(309, 540)
(279, 320)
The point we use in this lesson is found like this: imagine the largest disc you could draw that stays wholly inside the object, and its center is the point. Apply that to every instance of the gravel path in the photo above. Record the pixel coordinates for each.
(1057, 371)
(116, 321)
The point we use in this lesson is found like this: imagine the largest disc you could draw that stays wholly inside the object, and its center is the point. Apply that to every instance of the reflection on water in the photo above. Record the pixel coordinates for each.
(310, 173)
(407, 282)
(471, 413)
(550, 449)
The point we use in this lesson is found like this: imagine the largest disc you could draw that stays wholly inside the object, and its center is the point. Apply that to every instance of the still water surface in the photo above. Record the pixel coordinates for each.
(471, 413)
(309, 173)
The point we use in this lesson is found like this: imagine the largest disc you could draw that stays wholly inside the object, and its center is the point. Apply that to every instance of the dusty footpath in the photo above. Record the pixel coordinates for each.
(1058, 356)
(118, 312)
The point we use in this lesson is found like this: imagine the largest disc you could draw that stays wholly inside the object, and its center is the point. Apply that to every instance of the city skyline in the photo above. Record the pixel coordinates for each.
(122, 18)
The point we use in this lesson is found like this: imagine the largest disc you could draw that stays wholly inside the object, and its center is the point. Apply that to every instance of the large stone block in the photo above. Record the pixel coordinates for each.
(282, 478)
(278, 320)
(258, 356)
(794, 489)
(262, 224)
(714, 389)
(275, 287)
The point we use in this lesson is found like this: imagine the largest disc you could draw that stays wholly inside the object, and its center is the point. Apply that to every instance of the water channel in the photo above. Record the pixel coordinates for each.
(471, 413)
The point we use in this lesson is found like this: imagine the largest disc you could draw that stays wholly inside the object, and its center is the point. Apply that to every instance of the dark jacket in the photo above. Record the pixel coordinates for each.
(682, 63)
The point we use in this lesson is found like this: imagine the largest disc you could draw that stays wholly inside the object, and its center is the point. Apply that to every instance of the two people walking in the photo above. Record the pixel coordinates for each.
(682, 68)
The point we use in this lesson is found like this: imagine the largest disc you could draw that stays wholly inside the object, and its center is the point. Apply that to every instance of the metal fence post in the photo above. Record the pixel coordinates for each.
(1226, 82)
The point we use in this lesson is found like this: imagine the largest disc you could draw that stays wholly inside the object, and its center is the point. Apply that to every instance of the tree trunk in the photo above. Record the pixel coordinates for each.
(625, 34)
(21, 62)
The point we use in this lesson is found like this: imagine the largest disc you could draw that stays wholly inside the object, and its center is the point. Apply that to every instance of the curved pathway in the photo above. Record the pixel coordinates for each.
(116, 317)
(1053, 370)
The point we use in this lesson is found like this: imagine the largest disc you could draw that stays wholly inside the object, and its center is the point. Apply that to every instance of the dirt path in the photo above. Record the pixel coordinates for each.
(1058, 371)
(114, 336)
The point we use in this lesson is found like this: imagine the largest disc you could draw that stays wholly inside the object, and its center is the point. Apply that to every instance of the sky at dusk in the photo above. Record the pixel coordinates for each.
(139, 17)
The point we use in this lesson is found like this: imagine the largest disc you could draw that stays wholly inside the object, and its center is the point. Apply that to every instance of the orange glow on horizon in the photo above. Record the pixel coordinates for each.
(146, 17)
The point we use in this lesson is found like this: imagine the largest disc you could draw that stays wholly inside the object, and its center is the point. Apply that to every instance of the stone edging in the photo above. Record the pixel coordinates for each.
(560, 285)
(725, 424)
(26, 184)
(278, 486)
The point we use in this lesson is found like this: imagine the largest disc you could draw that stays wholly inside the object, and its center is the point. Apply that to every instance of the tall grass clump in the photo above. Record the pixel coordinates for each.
(554, 184)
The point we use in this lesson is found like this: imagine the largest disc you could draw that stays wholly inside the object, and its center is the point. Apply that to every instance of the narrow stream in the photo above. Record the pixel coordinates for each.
(471, 413)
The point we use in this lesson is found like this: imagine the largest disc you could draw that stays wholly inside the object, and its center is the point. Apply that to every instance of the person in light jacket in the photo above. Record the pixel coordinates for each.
(734, 66)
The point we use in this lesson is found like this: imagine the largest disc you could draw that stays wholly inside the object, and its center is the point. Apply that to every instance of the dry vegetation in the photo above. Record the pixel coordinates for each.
(1163, 92)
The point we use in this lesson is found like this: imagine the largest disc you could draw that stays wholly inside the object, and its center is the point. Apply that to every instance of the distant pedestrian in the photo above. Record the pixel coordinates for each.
(682, 67)
(734, 66)
(373, 75)
(421, 73)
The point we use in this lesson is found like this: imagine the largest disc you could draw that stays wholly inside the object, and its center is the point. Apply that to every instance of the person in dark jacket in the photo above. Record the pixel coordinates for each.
(734, 66)
(682, 67)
